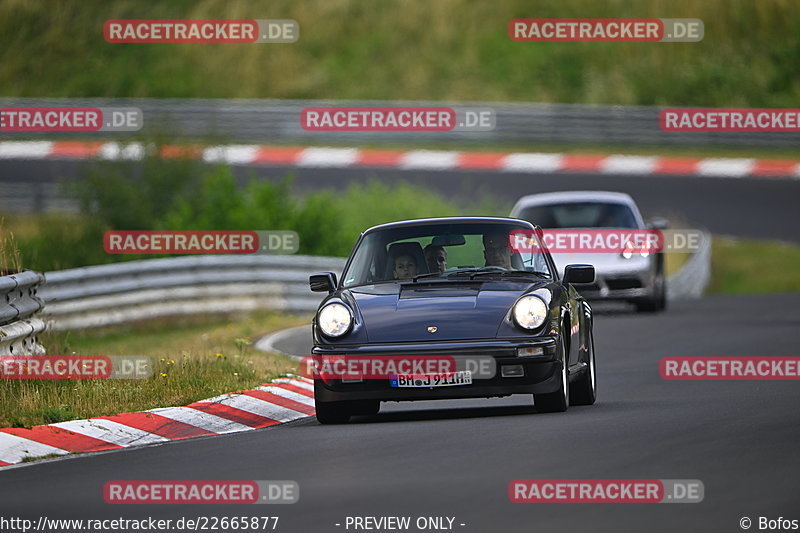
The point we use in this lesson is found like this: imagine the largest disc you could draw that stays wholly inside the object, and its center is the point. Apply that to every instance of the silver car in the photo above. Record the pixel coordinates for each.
(633, 277)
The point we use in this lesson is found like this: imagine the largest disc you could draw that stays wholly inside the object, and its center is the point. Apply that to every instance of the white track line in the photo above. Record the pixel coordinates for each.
(235, 154)
(289, 395)
(728, 168)
(296, 382)
(532, 162)
(25, 149)
(112, 432)
(628, 164)
(14, 449)
(429, 159)
(258, 407)
(200, 419)
(327, 157)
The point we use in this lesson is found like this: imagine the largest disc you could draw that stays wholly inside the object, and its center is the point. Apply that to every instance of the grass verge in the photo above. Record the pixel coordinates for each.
(747, 267)
(194, 358)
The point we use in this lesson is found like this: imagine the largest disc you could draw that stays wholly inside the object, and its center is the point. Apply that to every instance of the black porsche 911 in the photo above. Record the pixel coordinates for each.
(452, 289)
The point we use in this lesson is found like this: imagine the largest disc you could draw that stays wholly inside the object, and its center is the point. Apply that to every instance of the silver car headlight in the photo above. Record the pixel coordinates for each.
(335, 320)
(530, 312)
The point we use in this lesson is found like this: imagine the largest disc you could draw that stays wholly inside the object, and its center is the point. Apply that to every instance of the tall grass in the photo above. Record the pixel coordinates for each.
(193, 358)
(409, 49)
(10, 255)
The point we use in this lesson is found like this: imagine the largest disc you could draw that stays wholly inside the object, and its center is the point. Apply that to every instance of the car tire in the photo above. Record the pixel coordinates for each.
(365, 407)
(583, 391)
(659, 300)
(557, 401)
(332, 412)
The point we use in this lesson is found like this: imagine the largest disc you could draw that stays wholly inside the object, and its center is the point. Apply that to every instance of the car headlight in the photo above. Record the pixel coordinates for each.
(335, 320)
(629, 252)
(530, 312)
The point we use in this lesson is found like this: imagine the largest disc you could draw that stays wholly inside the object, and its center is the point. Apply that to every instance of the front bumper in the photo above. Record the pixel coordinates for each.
(541, 373)
(626, 286)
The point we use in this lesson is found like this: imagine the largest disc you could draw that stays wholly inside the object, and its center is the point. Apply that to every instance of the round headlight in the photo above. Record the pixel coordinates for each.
(530, 312)
(335, 320)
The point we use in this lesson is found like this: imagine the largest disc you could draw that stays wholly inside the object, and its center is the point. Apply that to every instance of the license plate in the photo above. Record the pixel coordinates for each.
(446, 379)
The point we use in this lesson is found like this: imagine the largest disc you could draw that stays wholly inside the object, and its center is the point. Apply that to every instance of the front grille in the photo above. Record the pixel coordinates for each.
(623, 283)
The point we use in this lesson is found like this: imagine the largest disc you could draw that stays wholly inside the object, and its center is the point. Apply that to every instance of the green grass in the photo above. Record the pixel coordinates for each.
(748, 266)
(194, 358)
(409, 50)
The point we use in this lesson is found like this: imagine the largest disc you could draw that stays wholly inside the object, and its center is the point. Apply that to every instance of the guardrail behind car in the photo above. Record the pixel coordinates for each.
(693, 277)
(123, 292)
(516, 123)
(19, 302)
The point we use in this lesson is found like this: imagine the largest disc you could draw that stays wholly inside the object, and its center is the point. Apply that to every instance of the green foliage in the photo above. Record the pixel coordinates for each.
(185, 195)
(748, 266)
(409, 50)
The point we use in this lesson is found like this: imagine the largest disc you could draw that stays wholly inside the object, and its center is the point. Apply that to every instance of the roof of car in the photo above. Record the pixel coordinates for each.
(574, 196)
(449, 220)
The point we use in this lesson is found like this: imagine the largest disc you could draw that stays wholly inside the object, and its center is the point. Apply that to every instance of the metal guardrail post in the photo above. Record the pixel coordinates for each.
(19, 302)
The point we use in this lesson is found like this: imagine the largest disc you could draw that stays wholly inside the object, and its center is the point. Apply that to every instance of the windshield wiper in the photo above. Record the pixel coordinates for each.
(430, 275)
(509, 273)
(444, 275)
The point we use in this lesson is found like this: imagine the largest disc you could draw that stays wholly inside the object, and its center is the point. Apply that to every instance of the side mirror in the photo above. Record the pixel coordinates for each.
(658, 223)
(578, 274)
(325, 282)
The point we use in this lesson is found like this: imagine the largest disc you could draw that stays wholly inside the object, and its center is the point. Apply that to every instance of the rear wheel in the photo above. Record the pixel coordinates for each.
(332, 412)
(558, 401)
(365, 407)
(583, 391)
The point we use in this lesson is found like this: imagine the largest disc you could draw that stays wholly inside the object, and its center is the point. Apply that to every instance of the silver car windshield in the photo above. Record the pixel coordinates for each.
(580, 215)
(442, 251)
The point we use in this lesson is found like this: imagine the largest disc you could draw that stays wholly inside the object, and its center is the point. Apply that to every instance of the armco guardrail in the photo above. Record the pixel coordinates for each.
(19, 328)
(693, 277)
(279, 121)
(122, 292)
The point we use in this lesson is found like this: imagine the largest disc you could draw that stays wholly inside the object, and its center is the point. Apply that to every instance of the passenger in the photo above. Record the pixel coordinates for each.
(436, 257)
(405, 267)
(497, 250)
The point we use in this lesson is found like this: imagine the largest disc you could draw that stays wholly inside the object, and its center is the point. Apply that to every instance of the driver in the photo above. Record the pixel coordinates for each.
(436, 257)
(497, 250)
(404, 267)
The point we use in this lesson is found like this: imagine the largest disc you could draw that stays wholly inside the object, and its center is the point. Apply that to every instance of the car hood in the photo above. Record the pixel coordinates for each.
(458, 310)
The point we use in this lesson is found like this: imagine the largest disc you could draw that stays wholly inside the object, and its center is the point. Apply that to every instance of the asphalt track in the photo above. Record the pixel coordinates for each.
(456, 458)
(761, 208)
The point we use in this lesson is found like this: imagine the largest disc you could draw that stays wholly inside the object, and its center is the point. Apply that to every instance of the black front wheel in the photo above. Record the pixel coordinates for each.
(365, 407)
(656, 303)
(557, 401)
(332, 412)
(583, 391)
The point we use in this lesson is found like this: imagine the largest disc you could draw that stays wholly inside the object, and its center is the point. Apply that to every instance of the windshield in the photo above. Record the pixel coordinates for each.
(580, 215)
(441, 251)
